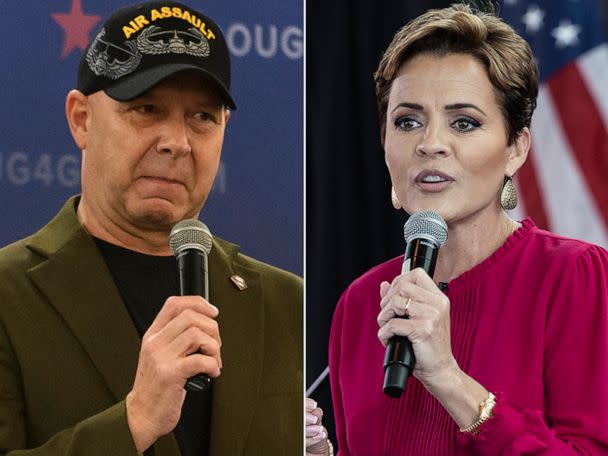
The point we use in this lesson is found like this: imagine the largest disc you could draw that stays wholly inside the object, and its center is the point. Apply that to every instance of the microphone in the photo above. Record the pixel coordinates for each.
(190, 240)
(424, 233)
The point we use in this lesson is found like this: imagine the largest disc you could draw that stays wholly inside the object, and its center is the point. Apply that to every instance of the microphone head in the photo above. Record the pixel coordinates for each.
(190, 234)
(428, 225)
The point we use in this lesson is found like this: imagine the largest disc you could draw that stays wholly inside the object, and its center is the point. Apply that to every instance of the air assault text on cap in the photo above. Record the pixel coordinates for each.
(139, 22)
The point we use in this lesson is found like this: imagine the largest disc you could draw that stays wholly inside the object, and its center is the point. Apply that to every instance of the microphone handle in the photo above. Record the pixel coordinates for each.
(399, 360)
(399, 364)
(194, 281)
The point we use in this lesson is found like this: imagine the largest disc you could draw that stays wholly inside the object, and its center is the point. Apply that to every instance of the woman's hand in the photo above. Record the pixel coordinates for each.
(428, 327)
(316, 435)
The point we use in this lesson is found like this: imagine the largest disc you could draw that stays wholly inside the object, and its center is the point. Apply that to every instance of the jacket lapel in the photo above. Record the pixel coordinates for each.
(75, 280)
(241, 320)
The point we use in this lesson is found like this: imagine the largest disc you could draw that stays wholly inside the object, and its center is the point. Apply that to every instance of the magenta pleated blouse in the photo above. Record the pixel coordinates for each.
(529, 323)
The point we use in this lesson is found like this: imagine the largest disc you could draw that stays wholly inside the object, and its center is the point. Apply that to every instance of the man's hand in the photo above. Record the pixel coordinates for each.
(184, 340)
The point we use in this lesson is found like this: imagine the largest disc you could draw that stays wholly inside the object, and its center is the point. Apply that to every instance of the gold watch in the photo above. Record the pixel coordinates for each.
(485, 413)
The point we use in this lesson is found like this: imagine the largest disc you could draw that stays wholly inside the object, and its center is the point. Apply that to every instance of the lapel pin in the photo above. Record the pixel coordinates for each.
(239, 282)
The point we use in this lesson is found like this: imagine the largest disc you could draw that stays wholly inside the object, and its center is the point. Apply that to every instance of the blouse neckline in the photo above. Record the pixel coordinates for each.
(514, 239)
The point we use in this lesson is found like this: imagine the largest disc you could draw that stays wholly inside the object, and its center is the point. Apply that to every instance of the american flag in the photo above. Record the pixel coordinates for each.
(564, 183)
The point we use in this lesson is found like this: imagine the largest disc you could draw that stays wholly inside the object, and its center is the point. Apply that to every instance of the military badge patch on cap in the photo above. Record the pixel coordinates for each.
(140, 45)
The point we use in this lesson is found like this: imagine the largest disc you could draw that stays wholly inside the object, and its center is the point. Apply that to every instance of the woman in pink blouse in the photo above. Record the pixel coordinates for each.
(511, 357)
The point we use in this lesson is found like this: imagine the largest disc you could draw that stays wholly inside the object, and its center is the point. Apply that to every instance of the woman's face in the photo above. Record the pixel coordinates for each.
(446, 142)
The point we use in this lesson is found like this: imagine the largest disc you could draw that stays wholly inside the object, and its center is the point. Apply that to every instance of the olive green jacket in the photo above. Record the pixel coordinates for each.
(69, 351)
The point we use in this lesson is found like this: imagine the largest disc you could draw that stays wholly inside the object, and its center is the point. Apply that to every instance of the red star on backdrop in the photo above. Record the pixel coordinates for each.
(76, 26)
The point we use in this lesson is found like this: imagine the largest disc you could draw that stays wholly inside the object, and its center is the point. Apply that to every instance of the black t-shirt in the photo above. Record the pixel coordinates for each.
(144, 283)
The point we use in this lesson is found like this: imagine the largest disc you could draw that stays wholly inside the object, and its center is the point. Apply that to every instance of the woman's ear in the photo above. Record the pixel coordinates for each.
(518, 152)
(77, 114)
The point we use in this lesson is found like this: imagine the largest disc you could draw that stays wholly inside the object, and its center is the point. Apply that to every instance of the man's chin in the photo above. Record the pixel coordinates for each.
(159, 215)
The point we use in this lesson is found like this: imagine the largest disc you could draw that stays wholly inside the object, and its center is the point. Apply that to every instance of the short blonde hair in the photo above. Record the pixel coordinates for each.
(459, 29)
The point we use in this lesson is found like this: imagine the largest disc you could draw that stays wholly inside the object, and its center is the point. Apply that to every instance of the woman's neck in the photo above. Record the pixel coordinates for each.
(470, 242)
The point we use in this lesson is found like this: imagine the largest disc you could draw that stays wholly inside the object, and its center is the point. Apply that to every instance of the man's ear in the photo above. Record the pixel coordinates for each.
(77, 111)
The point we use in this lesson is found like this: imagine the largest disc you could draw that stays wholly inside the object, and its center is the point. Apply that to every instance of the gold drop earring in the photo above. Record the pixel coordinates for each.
(508, 195)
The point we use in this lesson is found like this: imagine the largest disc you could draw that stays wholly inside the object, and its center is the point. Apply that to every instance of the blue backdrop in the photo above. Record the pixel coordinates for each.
(257, 197)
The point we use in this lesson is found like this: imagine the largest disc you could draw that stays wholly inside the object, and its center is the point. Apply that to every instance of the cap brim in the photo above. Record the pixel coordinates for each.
(130, 87)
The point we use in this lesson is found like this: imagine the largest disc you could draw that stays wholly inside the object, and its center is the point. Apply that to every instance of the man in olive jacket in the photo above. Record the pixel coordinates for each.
(87, 365)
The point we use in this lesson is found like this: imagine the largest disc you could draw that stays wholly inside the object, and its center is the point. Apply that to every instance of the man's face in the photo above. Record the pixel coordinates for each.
(151, 162)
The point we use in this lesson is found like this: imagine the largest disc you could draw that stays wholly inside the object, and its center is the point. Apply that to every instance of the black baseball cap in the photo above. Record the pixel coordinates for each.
(142, 44)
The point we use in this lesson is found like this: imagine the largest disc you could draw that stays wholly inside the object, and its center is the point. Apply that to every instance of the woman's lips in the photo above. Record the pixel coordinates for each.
(432, 180)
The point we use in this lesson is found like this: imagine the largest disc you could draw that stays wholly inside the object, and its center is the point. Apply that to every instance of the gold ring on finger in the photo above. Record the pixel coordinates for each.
(407, 305)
